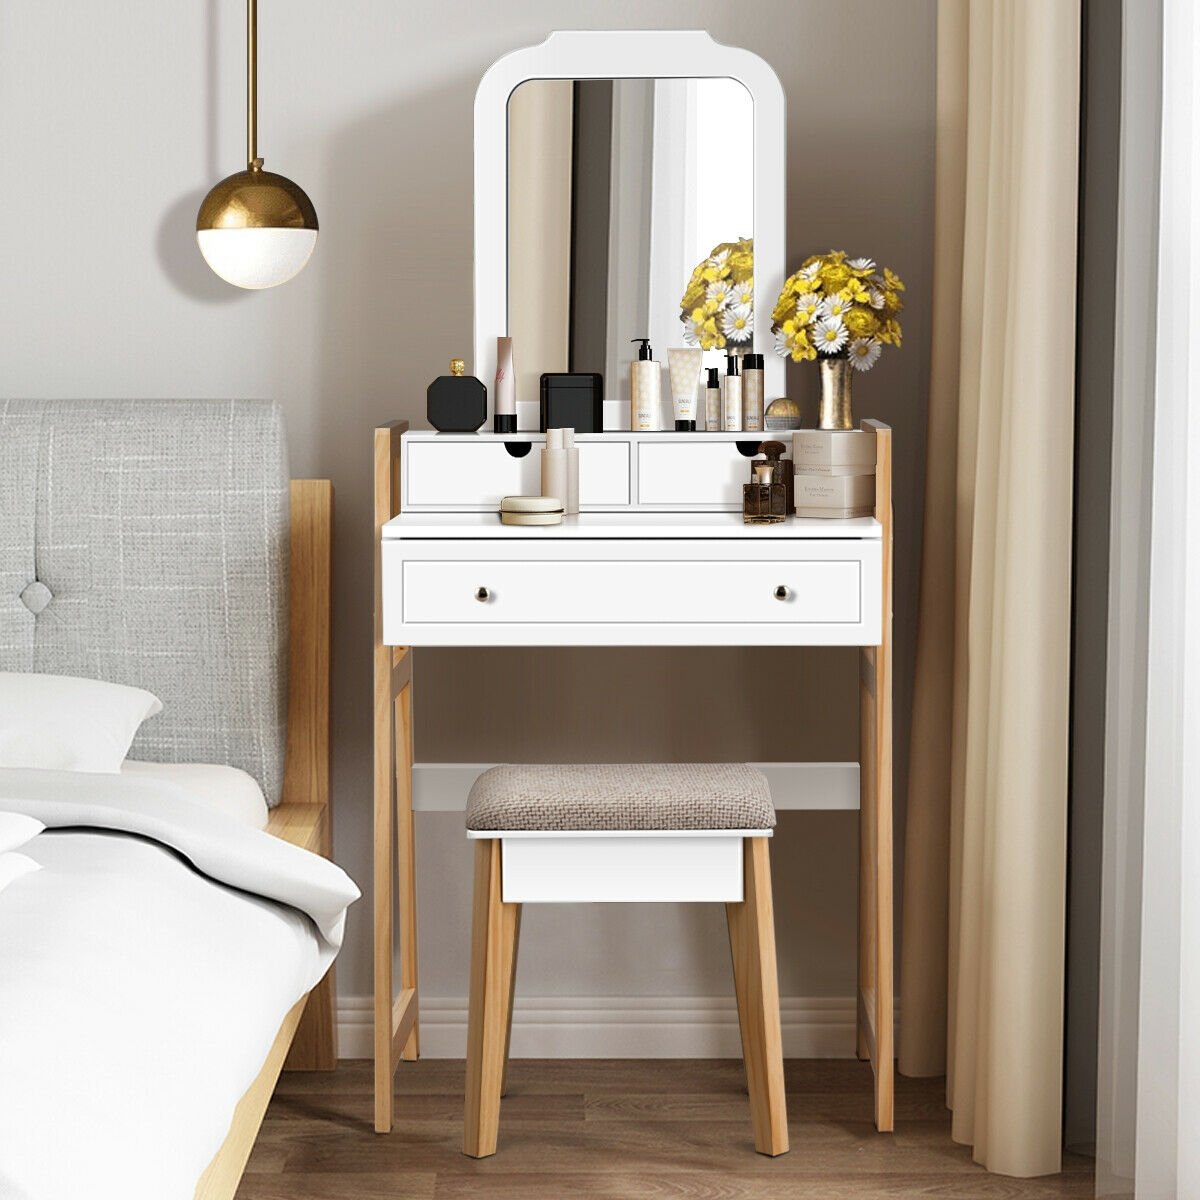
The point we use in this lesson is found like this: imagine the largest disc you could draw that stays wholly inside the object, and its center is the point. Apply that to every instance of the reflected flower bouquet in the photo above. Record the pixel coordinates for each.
(718, 305)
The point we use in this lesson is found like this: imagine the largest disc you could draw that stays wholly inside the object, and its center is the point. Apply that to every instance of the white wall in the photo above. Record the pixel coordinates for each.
(114, 121)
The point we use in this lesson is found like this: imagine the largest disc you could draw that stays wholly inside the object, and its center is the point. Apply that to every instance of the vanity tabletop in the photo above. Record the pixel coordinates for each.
(628, 525)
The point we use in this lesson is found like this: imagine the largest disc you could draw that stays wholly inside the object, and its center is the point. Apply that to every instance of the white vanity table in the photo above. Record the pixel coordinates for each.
(659, 554)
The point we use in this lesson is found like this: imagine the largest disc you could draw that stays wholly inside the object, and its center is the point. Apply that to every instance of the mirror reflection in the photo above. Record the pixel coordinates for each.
(617, 190)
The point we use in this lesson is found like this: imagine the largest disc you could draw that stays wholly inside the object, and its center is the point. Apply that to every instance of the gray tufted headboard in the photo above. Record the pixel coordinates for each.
(145, 542)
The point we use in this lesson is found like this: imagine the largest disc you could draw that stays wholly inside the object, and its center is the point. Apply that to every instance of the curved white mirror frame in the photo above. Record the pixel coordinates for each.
(624, 54)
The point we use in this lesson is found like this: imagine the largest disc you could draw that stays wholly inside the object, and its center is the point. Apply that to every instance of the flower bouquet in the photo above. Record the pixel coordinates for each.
(718, 305)
(843, 312)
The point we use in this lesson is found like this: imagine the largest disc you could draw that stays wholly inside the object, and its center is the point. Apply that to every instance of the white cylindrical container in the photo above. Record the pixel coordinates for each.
(753, 393)
(645, 394)
(554, 467)
(571, 451)
(732, 397)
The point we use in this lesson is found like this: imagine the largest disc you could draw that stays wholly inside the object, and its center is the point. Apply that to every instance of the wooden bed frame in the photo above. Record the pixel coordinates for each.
(307, 1038)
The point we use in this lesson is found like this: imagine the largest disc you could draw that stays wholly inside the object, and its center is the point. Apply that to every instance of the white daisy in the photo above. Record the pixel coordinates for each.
(781, 344)
(718, 292)
(718, 260)
(807, 307)
(743, 293)
(689, 334)
(876, 298)
(829, 335)
(810, 272)
(864, 353)
(861, 264)
(737, 323)
(834, 306)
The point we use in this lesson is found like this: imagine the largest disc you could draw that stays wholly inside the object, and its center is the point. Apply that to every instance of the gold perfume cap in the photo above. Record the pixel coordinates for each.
(458, 366)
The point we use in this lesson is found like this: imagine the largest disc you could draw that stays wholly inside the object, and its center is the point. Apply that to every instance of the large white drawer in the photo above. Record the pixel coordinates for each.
(696, 592)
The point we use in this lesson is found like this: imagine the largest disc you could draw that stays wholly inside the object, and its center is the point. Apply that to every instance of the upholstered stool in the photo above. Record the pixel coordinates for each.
(648, 832)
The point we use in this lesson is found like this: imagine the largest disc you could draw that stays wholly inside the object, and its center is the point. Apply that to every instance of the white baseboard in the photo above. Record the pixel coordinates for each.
(618, 1027)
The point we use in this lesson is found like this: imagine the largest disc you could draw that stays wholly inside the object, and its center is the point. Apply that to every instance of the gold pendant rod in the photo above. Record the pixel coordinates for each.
(252, 159)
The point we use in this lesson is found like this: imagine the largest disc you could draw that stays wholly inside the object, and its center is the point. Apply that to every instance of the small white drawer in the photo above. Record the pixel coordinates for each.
(645, 868)
(465, 474)
(695, 473)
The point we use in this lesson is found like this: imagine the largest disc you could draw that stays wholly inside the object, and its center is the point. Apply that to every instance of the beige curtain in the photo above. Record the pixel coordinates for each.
(985, 846)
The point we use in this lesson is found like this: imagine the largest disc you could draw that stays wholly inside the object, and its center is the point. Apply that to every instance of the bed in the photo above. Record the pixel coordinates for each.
(170, 552)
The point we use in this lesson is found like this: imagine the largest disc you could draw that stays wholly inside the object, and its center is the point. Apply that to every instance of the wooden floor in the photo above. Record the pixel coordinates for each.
(662, 1129)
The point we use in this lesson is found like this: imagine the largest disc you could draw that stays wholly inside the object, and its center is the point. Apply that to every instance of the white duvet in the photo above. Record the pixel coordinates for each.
(144, 973)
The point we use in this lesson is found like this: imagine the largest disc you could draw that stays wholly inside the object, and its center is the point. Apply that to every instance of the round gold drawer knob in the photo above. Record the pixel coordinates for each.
(482, 595)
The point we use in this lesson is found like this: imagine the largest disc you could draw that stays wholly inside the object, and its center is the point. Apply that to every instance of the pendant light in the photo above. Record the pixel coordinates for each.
(256, 229)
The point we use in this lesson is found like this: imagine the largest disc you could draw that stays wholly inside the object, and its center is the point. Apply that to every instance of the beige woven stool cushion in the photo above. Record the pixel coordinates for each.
(621, 796)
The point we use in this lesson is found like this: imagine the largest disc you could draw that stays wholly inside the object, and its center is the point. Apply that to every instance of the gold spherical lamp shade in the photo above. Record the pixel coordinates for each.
(256, 229)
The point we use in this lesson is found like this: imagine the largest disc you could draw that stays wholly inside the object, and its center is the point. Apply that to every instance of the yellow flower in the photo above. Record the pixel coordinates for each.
(861, 322)
(855, 291)
(742, 261)
(892, 281)
(891, 301)
(889, 332)
(834, 277)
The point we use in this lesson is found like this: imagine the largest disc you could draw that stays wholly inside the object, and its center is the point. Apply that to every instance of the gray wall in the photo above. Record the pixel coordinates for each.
(114, 121)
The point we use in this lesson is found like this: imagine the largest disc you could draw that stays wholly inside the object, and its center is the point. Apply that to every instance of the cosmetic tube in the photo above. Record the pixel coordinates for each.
(733, 394)
(571, 451)
(504, 419)
(684, 364)
(712, 402)
(554, 467)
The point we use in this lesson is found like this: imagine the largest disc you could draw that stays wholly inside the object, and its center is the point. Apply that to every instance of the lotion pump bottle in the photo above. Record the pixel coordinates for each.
(712, 402)
(733, 394)
(645, 398)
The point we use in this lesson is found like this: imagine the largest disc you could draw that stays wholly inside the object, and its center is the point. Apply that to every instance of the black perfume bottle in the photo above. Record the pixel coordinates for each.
(456, 403)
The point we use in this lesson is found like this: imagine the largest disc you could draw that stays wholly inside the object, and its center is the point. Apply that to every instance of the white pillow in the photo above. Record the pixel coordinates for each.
(218, 788)
(58, 723)
(13, 866)
(16, 829)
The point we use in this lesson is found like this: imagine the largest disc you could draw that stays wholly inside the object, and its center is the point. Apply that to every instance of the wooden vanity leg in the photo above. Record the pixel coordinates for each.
(756, 982)
(876, 1019)
(395, 1016)
(512, 992)
(406, 857)
(493, 945)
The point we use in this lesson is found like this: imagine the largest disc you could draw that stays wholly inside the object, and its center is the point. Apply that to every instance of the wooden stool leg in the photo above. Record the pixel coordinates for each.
(752, 941)
(512, 992)
(493, 945)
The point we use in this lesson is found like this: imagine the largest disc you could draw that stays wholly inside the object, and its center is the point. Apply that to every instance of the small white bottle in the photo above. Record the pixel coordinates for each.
(712, 402)
(733, 394)
(554, 467)
(571, 505)
(753, 393)
(645, 391)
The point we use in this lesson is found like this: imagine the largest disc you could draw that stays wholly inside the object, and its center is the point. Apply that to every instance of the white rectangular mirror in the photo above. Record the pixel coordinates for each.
(608, 165)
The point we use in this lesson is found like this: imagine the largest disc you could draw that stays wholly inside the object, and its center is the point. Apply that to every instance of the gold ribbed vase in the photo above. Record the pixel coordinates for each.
(834, 411)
